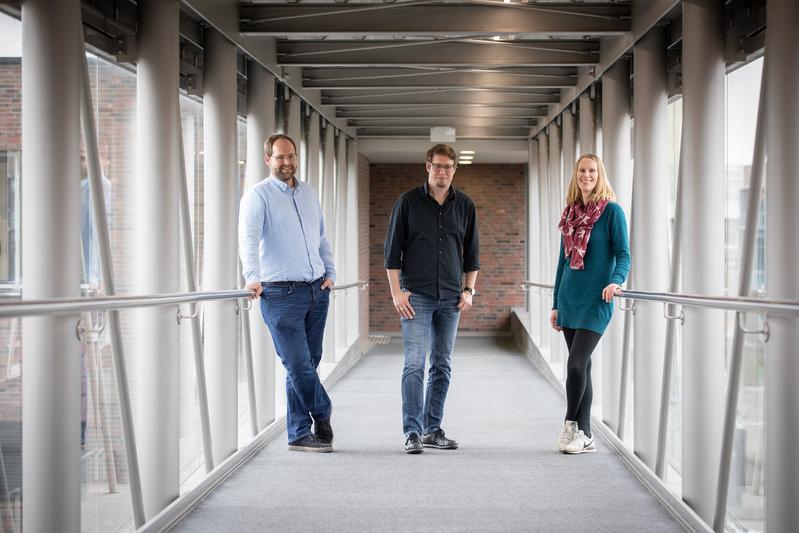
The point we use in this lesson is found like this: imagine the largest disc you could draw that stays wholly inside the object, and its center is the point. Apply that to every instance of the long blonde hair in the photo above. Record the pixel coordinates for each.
(602, 191)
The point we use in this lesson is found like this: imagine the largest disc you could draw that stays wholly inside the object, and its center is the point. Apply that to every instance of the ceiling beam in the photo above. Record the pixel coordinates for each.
(645, 16)
(412, 150)
(353, 78)
(222, 15)
(439, 110)
(460, 132)
(472, 52)
(465, 96)
(488, 18)
(401, 123)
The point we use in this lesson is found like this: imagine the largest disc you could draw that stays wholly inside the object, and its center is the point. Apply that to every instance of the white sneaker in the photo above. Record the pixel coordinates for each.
(581, 444)
(567, 434)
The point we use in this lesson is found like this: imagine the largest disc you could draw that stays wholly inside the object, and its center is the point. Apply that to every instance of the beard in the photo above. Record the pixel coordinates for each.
(286, 172)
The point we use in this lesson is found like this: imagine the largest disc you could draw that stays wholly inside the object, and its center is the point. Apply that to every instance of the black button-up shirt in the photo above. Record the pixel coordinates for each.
(432, 245)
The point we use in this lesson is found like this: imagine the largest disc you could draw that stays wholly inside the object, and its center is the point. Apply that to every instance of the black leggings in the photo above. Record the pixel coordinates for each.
(579, 392)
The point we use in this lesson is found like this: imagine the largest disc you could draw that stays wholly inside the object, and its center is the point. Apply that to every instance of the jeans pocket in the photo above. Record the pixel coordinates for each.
(275, 293)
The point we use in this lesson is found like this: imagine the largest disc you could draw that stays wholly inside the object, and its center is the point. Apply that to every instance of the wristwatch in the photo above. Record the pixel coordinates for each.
(469, 290)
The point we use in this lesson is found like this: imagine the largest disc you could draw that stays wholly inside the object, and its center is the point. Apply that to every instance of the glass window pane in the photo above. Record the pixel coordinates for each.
(746, 491)
(104, 472)
(10, 329)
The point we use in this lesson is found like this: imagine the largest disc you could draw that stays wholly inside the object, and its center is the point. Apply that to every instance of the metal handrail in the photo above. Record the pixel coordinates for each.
(757, 305)
(70, 306)
(359, 284)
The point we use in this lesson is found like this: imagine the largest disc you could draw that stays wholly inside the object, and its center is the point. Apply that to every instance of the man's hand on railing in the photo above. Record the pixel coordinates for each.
(553, 320)
(610, 291)
(255, 287)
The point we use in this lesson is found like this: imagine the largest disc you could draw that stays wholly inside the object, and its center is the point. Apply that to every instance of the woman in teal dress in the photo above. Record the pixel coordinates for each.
(593, 263)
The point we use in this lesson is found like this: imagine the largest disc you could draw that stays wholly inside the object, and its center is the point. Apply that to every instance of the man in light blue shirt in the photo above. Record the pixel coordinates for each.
(288, 262)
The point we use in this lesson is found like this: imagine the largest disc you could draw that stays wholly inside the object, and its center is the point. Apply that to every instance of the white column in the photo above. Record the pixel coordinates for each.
(703, 249)
(340, 251)
(556, 204)
(353, 241)
(260, 125)
(587, 124)
(158, 251)
(328, 198)
(313, 174)
(220, 332)
(569, 145)
(598, 125)
(782, 192)
(51, 75)
(534, 251)
(616, 157)
(548, 256)
(280, 108)
(294, 127)
(649, 246)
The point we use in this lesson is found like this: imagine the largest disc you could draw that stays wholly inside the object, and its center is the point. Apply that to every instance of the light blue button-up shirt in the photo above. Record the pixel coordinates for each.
(282, 234)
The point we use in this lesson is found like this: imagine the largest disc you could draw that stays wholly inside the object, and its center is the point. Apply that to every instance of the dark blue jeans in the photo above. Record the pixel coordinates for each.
(432, 328)
(295, 315)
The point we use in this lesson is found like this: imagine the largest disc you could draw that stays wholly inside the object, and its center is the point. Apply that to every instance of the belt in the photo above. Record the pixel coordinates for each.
(287, 283)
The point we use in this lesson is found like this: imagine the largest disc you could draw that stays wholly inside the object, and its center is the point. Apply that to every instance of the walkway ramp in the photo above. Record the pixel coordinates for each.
(506, 476)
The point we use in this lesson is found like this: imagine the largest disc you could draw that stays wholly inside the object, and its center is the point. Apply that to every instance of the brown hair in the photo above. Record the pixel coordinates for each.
(602, 191)
(273, 139)
(441, 149)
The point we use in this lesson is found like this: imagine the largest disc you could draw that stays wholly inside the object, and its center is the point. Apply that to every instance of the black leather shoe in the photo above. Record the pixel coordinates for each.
(437, 439)
(310, 444)
(323, 431)
(413, 444)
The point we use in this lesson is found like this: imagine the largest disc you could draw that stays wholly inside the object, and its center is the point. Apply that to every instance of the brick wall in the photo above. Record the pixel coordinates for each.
(363, 242)
(499, 192)
(10, 104)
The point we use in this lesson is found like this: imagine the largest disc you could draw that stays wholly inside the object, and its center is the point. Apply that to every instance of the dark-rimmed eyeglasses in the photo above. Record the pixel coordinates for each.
(445, 168)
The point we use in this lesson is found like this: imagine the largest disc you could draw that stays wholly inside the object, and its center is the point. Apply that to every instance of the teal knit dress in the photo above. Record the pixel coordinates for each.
(578, 293)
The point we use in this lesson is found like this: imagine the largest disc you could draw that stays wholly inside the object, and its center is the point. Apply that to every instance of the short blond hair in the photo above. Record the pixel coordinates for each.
(602, 191)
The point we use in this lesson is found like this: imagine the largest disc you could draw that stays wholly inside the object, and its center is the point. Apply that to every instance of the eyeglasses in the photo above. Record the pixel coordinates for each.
(290, 158)
(445, 168)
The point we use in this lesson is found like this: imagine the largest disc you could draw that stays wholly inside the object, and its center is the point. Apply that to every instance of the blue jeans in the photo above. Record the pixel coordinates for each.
(295, 315)
(433, 328)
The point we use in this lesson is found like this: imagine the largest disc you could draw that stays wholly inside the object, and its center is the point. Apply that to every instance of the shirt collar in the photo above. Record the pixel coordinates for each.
(282, 184)
(450, 194)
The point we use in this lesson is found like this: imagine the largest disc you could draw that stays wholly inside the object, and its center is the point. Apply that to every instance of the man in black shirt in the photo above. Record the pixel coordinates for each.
(431, 240)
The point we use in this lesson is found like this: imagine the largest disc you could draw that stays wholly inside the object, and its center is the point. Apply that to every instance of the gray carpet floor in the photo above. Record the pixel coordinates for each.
(506, 475)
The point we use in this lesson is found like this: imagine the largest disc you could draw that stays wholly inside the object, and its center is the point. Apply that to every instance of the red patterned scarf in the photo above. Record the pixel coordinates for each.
(576, 224)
